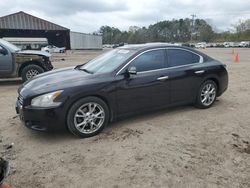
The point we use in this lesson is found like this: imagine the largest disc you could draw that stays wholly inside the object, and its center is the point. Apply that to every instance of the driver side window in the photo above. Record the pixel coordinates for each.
(3, 51)
(151, 60)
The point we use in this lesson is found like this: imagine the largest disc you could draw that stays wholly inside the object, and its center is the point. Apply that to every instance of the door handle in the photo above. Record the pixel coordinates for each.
(199, 72)
(162, 78)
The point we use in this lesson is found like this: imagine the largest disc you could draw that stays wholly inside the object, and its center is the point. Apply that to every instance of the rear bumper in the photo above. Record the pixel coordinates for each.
(41, 119)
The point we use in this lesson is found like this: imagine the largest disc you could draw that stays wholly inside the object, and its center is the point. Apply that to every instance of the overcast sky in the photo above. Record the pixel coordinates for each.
(89, 15)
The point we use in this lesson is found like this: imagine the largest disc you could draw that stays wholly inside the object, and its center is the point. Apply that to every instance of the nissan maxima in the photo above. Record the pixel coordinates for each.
(127, 80)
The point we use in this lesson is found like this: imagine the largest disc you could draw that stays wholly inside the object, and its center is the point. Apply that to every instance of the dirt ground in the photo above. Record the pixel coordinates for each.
(177, 147)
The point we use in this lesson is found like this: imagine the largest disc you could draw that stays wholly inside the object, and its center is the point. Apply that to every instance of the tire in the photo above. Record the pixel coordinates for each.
(30, 71)
(206, 97)
(80, 120)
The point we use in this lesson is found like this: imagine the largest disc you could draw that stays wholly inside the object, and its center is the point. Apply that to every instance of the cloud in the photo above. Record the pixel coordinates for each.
(89, 16)
(61, 7)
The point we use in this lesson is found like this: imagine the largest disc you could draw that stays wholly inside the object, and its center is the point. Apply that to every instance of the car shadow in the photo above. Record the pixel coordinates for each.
(64, 135)
(141, 117)
(10, 81)
(51, 136)
(144, 116)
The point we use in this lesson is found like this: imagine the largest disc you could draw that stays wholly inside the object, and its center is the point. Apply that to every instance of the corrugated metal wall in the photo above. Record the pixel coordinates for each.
(22, 20)
(85, 41)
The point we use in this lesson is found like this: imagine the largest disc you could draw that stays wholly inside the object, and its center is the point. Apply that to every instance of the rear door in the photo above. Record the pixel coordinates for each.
(185, 75)
(149, 88)
(6, 64)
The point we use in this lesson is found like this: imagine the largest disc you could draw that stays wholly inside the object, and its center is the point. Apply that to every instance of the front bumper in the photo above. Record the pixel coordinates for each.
(48, 65)
(41, 119)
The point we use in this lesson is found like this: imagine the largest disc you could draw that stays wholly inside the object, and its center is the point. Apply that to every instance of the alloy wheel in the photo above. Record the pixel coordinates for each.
(208, 94)
(89, 118)
(31, 73)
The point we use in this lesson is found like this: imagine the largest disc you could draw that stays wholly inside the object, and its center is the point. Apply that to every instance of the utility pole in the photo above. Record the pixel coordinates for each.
(192, 27)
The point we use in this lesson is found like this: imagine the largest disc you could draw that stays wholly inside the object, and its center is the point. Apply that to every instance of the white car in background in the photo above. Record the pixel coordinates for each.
(244, 44)
(201, 45)
(53, 49)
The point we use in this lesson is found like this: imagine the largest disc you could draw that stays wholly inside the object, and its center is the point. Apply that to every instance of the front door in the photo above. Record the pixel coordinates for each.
(149, 88)
(6, 65)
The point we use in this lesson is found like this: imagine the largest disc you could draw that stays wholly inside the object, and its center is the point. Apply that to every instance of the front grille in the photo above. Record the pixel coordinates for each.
(20, 99)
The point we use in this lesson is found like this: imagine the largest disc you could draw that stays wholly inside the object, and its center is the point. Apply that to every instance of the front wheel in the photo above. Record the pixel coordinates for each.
(30, 71)
(207, 94)
(87, 117)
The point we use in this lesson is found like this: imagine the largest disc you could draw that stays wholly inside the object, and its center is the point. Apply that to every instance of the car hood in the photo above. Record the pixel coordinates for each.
(56, 80)
(34, 52)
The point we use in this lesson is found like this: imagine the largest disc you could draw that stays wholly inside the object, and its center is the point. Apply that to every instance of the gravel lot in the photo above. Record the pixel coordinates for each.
(177, 147)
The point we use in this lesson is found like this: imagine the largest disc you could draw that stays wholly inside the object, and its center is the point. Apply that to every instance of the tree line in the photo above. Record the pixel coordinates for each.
(181, 30)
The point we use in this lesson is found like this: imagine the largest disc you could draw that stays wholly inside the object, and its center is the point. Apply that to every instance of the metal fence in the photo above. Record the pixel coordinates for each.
(85, 41)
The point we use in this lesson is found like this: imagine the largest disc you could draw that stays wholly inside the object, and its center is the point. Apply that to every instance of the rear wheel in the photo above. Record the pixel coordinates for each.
(30, 71)
(207, 94)
(87, 117)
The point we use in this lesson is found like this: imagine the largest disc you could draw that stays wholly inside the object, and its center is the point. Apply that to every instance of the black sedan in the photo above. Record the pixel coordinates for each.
(124, 81)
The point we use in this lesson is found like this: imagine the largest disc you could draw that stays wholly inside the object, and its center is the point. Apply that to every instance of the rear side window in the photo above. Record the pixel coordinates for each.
(178, 57)
(151, 60)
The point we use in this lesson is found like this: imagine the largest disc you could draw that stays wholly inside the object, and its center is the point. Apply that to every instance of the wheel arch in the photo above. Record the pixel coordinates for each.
(103, 98)
(107, 103)
(215, 79)
(29, 63)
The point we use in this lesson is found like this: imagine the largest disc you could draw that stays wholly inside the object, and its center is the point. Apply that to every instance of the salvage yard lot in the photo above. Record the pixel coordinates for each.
(177, 147)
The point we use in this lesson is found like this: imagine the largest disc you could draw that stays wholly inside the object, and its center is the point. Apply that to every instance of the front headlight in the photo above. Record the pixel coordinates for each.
(46, 100)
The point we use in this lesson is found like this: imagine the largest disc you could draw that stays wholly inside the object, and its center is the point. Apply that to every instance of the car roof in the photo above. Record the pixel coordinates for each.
(148, 46)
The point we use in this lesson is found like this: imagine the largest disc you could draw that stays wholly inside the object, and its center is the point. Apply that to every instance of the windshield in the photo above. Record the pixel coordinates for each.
(107, 62)
(8, 45)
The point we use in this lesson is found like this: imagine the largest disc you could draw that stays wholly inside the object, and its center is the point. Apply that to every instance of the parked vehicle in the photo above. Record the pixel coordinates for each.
(211, 45)
(4, 171)
(191, 45)
(244, 44)
(229, 44)
(107, 46)
(127, 80)
(22, 63)
(53, 49)
(201, 45)
(24, 42)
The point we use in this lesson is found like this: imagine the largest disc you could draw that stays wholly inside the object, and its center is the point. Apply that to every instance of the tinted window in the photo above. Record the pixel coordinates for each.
(1, 48)
(182, 57)
(8, 45)
(151, 60)
(109, 61)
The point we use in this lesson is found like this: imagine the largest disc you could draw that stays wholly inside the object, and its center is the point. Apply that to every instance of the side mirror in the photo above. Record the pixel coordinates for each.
(132, 70)
(3, 51)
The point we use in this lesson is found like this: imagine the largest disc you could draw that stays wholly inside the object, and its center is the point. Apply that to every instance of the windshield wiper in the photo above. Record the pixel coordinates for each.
(87, 71)
(78, 67)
